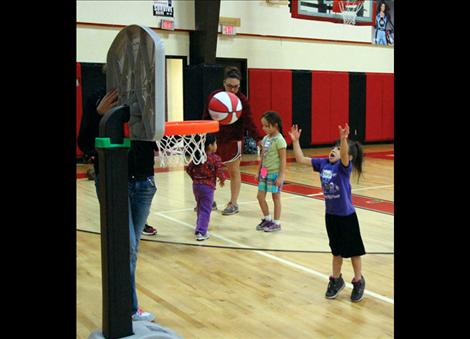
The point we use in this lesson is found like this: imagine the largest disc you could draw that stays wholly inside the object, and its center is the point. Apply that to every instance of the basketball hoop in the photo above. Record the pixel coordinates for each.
(183, 142)
(349, 10)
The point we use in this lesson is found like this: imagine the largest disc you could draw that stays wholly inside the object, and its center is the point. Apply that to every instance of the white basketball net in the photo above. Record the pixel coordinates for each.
(177, 150)
(349, 11)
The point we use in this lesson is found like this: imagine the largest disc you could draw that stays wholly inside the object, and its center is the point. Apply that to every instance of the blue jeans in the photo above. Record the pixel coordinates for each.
(141, 193)
(140, 196)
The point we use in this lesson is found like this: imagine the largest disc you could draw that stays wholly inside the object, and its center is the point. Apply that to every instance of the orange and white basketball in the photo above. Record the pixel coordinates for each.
(225, 107)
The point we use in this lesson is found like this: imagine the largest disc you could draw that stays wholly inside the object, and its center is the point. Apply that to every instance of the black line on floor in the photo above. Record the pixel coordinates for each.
(237, 248)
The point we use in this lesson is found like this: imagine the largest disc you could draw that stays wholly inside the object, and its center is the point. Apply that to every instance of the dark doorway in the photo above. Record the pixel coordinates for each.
(357, 106)
(93, 79)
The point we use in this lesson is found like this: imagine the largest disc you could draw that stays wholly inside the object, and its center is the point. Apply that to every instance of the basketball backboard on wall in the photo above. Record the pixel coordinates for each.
(328, 10)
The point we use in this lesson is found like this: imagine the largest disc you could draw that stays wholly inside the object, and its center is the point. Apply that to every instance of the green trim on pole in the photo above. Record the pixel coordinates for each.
(106, 143)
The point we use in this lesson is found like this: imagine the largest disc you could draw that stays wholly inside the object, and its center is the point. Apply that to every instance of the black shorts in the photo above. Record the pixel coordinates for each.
(344, 235)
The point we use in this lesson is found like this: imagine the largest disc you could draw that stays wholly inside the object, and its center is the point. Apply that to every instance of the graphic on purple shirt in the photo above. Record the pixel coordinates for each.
(335, 185)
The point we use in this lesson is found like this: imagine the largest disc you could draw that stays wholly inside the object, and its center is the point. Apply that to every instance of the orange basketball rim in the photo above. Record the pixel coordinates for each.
(191, 127)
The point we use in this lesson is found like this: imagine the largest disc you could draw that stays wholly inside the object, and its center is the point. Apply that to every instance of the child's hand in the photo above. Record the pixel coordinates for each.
(279, 180)
(295, 132)
(343, 132)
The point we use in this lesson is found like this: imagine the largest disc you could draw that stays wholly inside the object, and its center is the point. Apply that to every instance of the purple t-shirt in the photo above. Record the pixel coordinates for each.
(335, 185)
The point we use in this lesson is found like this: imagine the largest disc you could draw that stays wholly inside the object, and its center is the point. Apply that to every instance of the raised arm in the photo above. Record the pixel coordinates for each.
(344, 146)
(299, 155)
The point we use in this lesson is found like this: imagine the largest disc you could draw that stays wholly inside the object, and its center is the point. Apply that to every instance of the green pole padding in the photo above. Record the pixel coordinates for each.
(106, 143)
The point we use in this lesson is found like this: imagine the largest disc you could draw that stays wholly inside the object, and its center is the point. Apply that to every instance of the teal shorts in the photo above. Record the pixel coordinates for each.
(267, 184)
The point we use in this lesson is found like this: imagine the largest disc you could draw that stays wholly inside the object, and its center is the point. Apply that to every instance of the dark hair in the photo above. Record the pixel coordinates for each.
(273, 118)
(380, 7)
(210, 139)
(232, 72)
(357, 153)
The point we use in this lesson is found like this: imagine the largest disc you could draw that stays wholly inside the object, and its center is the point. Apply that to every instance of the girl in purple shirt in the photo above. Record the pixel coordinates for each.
(341, 220)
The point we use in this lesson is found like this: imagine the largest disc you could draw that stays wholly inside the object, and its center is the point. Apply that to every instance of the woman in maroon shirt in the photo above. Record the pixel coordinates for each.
(230, 137)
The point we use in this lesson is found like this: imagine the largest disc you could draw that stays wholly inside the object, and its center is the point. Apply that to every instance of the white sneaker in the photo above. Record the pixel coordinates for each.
(201, 237)
(140, 315)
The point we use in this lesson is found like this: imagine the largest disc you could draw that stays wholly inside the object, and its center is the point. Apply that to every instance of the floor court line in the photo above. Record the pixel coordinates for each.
(371, 188)
(281, 260)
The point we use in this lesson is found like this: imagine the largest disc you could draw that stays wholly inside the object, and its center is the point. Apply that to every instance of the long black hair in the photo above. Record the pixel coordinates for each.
(357, 153)
(273, 118)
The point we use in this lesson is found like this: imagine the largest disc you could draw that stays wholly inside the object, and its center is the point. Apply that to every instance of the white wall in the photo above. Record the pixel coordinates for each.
(257, 17)
(291, 54)
(260, 17)
(93, 42)
(128, 12)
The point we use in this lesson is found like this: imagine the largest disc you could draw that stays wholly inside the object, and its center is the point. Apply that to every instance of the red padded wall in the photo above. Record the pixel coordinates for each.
(339, 103)
(259, 94)
(281, 98)
(79, 110)
(374, 90)
(330, 105)
(388, 107)
(320, 107)
(271, 90)
(379, 107)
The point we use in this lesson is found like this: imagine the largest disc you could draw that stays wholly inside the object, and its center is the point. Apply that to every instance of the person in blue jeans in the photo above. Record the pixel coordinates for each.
(96, 105)
(141, 182)
(141, 189)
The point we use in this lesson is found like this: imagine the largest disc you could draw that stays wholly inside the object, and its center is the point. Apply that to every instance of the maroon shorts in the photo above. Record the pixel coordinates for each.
(229, 151)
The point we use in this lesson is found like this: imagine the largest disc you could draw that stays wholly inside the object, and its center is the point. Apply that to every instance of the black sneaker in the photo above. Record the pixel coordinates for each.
(358, 289)
(334, 287)
(149, 230)
(260, 226)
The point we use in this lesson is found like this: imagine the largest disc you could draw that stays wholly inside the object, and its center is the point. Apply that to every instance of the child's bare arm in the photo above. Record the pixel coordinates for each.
(282, 169)
(299, 155)
(344, 146)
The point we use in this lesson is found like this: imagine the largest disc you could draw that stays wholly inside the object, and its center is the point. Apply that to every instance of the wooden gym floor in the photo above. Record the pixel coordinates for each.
(242, 283)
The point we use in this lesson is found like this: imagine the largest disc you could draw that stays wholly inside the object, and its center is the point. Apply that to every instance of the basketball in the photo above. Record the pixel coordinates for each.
(225, 107)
